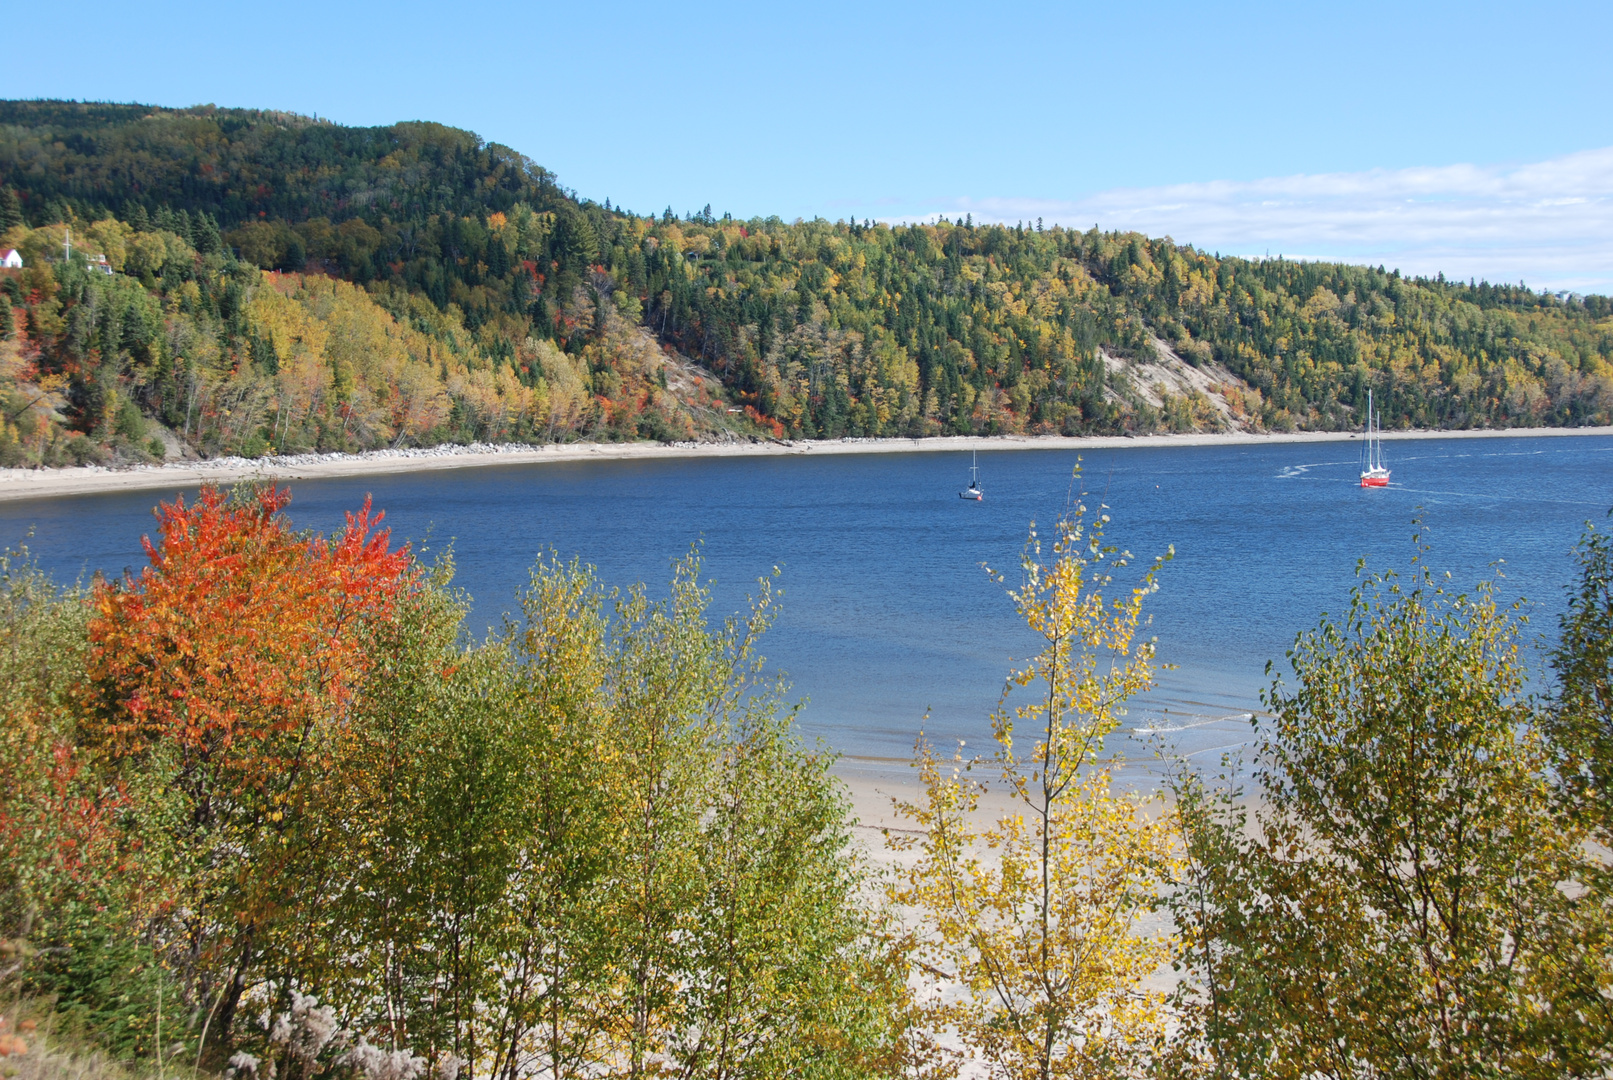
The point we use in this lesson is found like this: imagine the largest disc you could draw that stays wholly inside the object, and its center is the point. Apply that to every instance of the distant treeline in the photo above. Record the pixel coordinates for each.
(814, 329)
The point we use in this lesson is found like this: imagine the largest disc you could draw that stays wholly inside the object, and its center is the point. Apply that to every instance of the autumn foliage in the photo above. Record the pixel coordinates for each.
(213, 680)
(582, 846)
(1029, 928)
(265, 812)
(240, 634)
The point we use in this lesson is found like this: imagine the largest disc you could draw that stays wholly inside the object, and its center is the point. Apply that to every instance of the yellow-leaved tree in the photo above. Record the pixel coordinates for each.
(1027, 928)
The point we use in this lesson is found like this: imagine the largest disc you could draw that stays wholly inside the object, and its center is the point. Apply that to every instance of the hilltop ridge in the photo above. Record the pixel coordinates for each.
(289, 284)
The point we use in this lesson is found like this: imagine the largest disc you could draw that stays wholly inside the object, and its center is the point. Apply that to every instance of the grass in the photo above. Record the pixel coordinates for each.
(54, 1052)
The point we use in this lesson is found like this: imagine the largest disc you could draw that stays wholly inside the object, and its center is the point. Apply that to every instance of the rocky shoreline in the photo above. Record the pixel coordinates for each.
(89, 479)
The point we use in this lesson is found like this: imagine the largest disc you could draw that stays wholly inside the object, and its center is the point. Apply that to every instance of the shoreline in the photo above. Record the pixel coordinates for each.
(16, 484)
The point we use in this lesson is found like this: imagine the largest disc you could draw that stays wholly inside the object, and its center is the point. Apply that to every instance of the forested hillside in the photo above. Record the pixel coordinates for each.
(273, 282)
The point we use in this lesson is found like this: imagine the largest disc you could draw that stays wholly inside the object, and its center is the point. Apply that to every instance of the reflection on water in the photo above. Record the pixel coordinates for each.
(888, 614)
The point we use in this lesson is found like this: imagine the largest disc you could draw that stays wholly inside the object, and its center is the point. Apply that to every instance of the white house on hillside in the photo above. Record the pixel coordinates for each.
(10, 260)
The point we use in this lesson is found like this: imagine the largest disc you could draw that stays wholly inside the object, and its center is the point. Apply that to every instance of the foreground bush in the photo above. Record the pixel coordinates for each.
(1408, 899)
(264, 812)
(286, 798)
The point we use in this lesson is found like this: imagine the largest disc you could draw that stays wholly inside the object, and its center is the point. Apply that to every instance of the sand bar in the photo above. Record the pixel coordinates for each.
(91, 479)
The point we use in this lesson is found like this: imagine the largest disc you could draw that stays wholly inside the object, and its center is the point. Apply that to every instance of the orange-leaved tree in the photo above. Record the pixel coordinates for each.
(217, 669)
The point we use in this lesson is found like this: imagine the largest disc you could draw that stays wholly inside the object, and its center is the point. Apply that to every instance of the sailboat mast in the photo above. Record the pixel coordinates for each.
(1366, 435)
(1377, 425)
(1372, 452)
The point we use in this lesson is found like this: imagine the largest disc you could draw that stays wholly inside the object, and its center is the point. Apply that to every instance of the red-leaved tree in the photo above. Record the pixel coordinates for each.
(224, 668)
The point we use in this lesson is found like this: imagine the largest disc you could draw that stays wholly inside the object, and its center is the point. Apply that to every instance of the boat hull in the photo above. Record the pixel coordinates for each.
(1375, 479)
(973, 496)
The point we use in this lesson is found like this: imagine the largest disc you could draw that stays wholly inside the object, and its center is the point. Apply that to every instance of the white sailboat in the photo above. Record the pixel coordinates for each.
(973, 490)
(1374, 473)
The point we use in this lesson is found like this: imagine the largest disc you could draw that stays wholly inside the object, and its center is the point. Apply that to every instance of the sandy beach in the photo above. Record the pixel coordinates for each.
(85, 480)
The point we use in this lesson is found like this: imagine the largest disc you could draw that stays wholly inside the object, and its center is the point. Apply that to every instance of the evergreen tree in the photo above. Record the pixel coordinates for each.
(205, 235)
(10, 209)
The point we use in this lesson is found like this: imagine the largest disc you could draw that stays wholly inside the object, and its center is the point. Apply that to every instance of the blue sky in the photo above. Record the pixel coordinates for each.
(1431, 136)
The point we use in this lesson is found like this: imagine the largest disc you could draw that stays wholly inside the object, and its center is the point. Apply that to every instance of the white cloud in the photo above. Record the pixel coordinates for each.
(1548, 223)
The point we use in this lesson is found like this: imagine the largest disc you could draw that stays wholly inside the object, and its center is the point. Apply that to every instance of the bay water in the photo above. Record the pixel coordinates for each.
(890, 624)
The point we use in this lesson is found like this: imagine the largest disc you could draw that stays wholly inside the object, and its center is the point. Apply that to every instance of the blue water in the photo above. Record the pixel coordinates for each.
(887, 613)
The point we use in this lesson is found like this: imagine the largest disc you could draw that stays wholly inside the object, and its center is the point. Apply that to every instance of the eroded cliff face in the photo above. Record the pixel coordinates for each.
(1188, 396)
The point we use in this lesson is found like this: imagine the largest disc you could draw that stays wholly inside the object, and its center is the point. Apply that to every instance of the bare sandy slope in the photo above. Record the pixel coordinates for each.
(44, 483)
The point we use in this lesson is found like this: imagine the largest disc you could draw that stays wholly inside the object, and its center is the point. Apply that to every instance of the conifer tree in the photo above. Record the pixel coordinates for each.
(10, 209)
(205, 234)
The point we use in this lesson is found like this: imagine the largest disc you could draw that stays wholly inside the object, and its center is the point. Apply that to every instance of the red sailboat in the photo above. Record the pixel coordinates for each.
(1374, 473)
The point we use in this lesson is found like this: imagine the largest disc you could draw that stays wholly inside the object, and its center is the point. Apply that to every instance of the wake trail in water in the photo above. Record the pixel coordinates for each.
(1496, 497)
(1162, 730)
(1212, 749)
(1290, 472)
